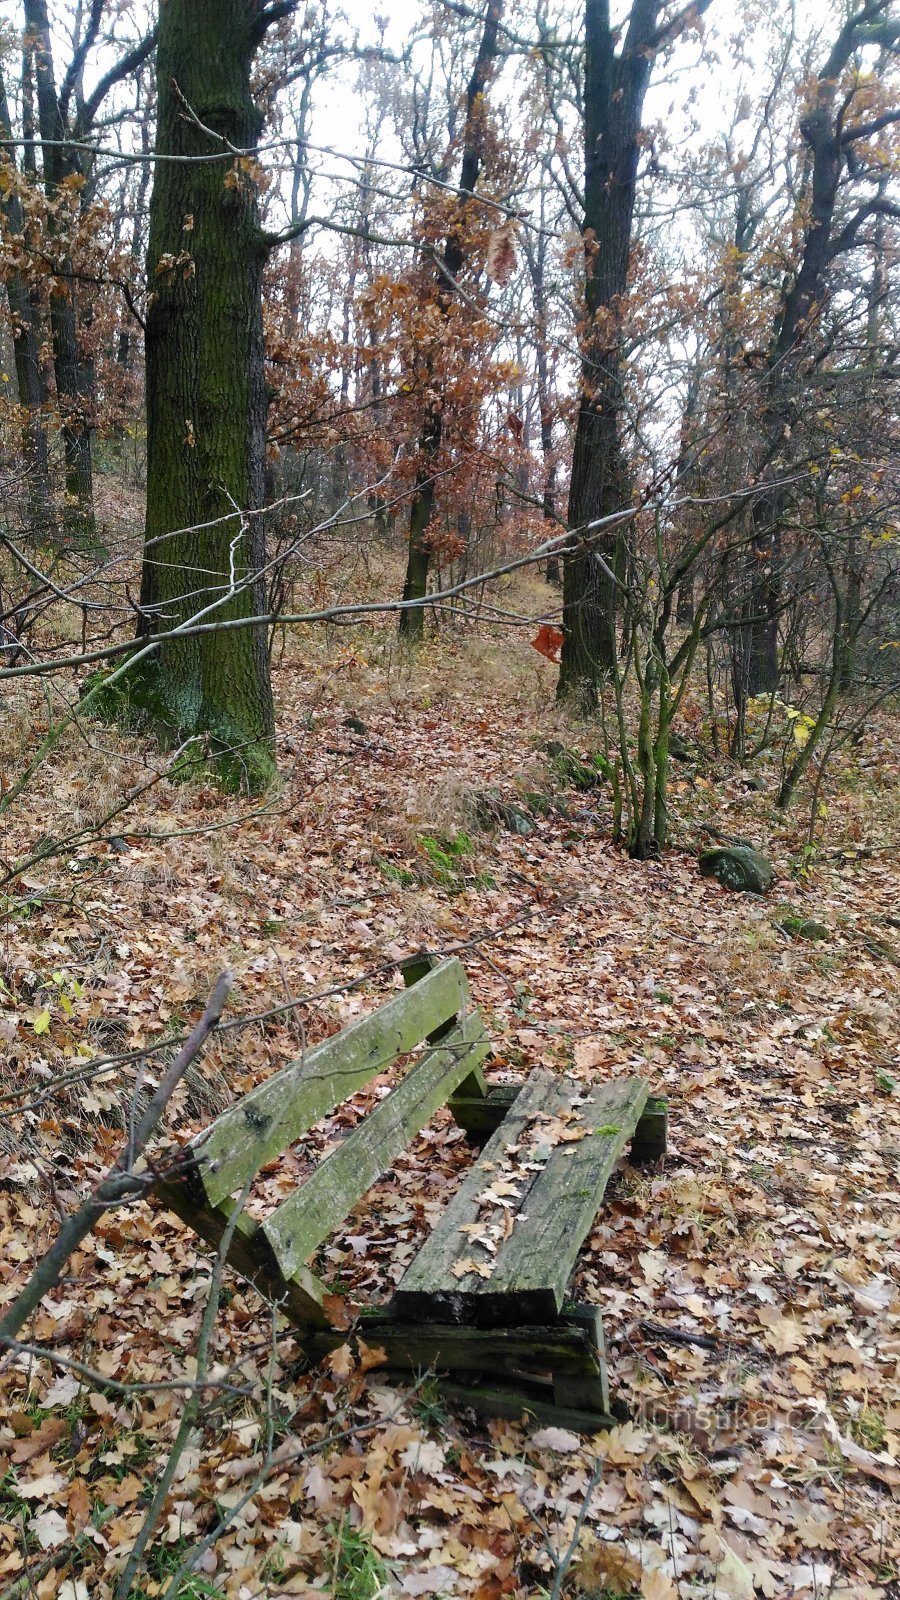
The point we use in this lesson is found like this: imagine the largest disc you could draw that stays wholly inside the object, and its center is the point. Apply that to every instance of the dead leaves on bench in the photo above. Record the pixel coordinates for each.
(527, 1156)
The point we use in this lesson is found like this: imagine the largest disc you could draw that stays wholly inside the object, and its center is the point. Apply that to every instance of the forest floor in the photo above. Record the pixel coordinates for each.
(749, 1284)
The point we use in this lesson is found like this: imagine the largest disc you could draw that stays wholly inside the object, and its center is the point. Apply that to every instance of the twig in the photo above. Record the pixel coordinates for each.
(705, 1341)
(565, 1561)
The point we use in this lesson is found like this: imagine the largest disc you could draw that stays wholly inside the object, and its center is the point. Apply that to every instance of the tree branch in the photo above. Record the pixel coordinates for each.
(846, 239)
(79, 57)
(864, 130)
(122, 69)
(671, 29)
(268, 16)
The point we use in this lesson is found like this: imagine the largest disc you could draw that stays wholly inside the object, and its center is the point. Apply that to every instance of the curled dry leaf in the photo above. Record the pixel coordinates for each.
(556, 1439)
(501, 253)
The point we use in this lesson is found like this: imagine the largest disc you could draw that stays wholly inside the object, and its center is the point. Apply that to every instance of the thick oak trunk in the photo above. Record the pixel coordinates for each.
(206, 401)
(600, 485)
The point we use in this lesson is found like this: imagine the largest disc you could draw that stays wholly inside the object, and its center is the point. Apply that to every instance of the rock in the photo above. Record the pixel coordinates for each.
(570, 770)
(491, 809)
(738, 866)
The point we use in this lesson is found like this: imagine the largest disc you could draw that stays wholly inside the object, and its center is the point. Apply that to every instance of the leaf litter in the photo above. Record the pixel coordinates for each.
(749, 1285)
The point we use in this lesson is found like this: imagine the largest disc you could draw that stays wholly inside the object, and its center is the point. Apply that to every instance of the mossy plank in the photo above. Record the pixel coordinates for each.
(514, 1352)
(481, 1115)
(561, 1180)
(308, 1215)
(277, 1112)
(301, 1300)
(414, 969)
(588, 1390)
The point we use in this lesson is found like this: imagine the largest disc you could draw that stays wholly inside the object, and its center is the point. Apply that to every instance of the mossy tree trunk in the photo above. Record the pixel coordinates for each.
(615, 84)
(831, 137)
(24, 312)
(206, 396)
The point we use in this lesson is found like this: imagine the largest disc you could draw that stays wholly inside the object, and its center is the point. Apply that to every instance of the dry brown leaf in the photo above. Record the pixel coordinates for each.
(340, 1361)
(656, 1585)
(370, 1356)
(559, 1439)
(78, 1506)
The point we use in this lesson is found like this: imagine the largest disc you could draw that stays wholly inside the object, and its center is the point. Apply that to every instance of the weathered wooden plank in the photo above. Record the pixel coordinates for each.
(300, 1300)
(481, 1115)
(307, 1217)
(586, 1390)
(562, 1348)
(559, 1189)
(272, 1116)
(414, 969)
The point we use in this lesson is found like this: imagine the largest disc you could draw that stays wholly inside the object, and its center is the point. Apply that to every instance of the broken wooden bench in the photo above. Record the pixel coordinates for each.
(484, 1301)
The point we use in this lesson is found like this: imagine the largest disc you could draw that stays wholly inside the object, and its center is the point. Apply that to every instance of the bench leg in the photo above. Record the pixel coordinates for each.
(648, 1142)
(582, 1390)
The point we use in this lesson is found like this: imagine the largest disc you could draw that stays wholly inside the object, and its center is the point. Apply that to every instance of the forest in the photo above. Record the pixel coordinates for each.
(449, 799)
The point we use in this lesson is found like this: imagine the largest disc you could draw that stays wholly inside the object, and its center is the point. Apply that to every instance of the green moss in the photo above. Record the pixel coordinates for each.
(395, 874)
(142, 700)
(445, 853)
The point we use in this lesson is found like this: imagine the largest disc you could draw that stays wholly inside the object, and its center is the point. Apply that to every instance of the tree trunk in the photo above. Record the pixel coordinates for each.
(206, 402)
(24, 315)
(415, 588)
(73, 367)
(536, 257)
(830, 140)
(614, 90)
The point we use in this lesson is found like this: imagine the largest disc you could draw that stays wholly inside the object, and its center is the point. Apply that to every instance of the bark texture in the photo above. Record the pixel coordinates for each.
(206, 399)
(615, 84)
(24, 312)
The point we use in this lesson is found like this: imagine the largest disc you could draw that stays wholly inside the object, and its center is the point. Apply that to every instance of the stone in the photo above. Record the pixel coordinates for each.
(739, 867)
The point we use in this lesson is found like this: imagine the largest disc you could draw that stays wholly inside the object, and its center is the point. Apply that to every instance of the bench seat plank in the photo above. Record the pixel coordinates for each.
(268, 1119)
(314, 1210)
(560, 1183)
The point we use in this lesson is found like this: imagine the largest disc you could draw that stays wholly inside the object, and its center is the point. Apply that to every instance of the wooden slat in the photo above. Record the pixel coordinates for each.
(553, 1210)
(414, 969)
(562, 1348)
(272, 1116)
(308, 1215)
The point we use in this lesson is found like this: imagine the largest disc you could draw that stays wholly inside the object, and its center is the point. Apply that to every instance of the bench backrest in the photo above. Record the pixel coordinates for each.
(224, 1159)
